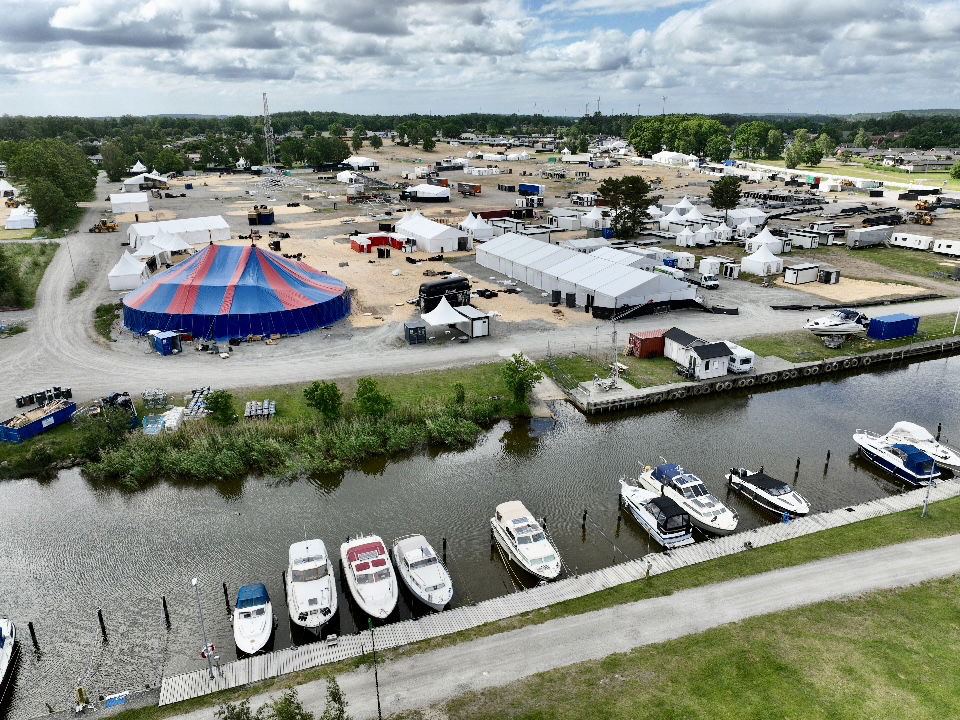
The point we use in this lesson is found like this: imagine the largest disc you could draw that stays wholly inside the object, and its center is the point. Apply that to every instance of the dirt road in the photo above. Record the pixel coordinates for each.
(434, 677)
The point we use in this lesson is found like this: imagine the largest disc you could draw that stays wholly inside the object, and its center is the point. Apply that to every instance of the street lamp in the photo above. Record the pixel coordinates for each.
(207, 651)
(376, 677)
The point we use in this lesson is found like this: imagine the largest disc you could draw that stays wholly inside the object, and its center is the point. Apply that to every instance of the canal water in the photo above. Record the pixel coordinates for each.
(69, 546)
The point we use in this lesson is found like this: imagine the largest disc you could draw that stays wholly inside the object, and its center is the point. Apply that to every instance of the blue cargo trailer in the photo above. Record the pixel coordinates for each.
(893, 327)
(530, 189)
(33, 422)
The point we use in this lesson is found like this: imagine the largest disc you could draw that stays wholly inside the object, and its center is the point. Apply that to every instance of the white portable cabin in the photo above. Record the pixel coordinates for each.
(710, 266)
(947, 247)
(805, 239)
(685, 260)
(476, 322)
(741, 359)
(800, 274)
(564, 218)
(914, 242)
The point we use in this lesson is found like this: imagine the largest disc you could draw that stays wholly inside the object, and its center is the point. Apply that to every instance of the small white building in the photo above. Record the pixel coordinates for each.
(129, 202)
(564, 218)
(702, 360)
(358, 162)
(800, 274)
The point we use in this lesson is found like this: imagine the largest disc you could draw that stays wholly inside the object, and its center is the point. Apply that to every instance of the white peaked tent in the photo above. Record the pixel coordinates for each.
(723, 232)
(128, 274)
(129, 202)
(476, 227)
(667, 157)
(149, 250)
(671, 217)
(138, 167)
(654, 212)
(685, 238)
(242, 163)
(430, 236)
(7, 190)
(684, 206)
(593, 219)
(345, 176)
(170, 242)
(764, 237)
(738, 216)
(21, 218)
(704, 236)
(762, 262)
(746, 229)
(694, 215)
(565, 151)
(442, 314)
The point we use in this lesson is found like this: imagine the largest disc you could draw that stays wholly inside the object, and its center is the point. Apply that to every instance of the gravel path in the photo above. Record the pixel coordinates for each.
(61, 347)
(435, 677)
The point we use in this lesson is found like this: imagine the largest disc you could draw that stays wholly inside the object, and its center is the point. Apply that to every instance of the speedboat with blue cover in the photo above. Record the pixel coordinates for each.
(663, 519)
(906, 461)
(252, 619)
(689, 492)
(918, 436)
(767, 492)
(8, 654)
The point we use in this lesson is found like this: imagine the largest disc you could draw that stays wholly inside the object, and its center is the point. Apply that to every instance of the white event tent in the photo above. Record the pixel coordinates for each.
(170, 242)
(21, 218)
(762, 262)
(129, 202)
(128, 274)
(443, 314)
(197, 230)
(430, 236)
(476, 227)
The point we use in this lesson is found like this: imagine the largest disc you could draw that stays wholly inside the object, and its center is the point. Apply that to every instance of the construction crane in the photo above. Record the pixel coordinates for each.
(268, 134)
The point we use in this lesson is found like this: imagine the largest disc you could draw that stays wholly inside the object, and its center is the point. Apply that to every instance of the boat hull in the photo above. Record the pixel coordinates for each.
(257, 642)
(652, 530)
(881, 462)
(9, 664)
(763, 502)
(385, 606)
(519, 561)
(654, 486)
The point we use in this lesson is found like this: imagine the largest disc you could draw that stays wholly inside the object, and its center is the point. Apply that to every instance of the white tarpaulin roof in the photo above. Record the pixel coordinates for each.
(474, 222)
(430, 190)
(762, 262)
(6, 187)
(358, 161)
(442, 314)
(694, 215)
(21, 218)
(192, 230)
(345, 176)
(169, 242)
(148, 250)
(416, 226)
(684, 204)
(129, 198)
(128, 274)
(138, 167)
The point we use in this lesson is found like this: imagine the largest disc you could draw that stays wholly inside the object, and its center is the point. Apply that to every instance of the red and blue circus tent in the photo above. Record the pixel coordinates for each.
(227, 291)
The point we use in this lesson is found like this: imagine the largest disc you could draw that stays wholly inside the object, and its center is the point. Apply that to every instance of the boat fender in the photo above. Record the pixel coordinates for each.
(742, 383)
(807, 371)
(865, 361)
(769, 378)
(727, 385)
(749, 382)
(834, 366)
(814, 370)
(846, 363)
(674, 395)
(706, 389)
(854, 362)
(681, 393)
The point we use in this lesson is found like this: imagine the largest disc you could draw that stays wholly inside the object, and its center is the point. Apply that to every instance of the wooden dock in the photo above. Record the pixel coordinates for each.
(261, 667)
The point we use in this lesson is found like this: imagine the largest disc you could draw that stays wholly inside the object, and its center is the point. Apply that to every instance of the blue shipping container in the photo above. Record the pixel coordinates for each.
(892, 327)
(15, 435)
(608, 233)
(670, 262)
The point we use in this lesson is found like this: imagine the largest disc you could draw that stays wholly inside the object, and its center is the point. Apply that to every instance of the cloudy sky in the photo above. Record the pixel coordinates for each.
(108, 57)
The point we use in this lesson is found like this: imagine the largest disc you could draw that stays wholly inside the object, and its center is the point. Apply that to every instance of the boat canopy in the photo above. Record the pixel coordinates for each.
(914, 459)
(252, 596)
(670, 516)
(911, 430)
(769, 484)
(667, 472)
(367, 551)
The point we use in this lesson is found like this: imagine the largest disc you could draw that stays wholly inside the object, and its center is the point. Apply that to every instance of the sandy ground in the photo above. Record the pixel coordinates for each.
(851, 290)
(148, 216)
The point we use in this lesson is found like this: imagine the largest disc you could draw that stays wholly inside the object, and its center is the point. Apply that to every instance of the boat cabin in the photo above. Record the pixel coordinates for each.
(252, 601)
(914, 460)
(771, 486)
(369, 562)
(688, 485)
(671, 518)
(420, 558)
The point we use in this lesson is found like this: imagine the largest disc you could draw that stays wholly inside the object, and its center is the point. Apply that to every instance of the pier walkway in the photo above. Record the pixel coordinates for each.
(194, 684)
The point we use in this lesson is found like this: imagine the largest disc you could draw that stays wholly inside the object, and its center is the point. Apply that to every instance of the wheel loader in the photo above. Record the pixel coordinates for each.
(105, 226)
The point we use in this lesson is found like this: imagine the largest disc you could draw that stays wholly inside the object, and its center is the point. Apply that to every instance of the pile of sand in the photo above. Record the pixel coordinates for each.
(851, 290)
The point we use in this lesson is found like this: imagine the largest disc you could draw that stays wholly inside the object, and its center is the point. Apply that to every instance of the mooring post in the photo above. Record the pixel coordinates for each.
(33, 635)
(544, 522)
(226, 599)
(619, 518)
(283, 580)
(103, 627)
(798, 462)
(939, 427)
(444, 551)
(828, 457)
(166, 611)
(583, 522)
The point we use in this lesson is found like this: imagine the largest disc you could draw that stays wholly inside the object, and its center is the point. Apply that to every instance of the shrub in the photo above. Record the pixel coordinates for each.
(220, 405)
(370, 400)
(325, 398)
(520, 375)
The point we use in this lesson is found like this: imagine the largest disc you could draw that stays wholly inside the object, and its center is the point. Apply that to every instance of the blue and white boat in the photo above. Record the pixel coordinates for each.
(8, 654)
(690, 493)
(663, 519)
(907, 462)
(252, 619)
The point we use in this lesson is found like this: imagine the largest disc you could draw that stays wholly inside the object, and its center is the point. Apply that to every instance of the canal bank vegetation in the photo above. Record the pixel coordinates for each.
(943, 519)
(803, 346)
(21, 269)
(866, 657)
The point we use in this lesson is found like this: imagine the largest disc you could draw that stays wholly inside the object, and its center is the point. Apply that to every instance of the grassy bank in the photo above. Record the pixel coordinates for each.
(858, 171)
(104, 317)
(943, 519)
(911, 262)
(30, 260)
(871, 657)
(647, 372)
(804, 346)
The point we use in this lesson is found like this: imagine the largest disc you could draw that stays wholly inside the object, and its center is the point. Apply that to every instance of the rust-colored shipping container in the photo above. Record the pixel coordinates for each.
(646, 344)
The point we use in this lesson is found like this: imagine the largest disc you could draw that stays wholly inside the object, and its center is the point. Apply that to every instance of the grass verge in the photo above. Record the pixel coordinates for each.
(30, 261)
(858, 171)
(804, 346)
(104, 317)
(910, 262)
(11, 330)
(77, 290)
(640, 372)
(869, 657)
(942, 519)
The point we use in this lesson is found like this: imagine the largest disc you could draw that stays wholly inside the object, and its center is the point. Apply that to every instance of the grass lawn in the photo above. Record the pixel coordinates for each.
(943, 519)
(646, 372)
(32, 259)
(804, 346)
(928, 178)
(876, 656)
(912, 262)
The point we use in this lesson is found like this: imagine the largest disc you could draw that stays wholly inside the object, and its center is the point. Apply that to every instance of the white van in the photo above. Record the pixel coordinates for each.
(741, 359)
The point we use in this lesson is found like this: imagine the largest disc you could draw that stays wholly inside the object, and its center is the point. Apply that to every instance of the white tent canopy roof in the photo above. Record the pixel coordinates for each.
(684, 204)
(694, 215)
(426, 190)
(6, 187)
(126, 265)
(148, 250)
(169, 242)
(138, 167)
(442, 314)
(474, 222)
(417, 226)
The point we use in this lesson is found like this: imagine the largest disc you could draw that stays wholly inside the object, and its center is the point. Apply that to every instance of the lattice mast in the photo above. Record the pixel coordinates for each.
(268, 134)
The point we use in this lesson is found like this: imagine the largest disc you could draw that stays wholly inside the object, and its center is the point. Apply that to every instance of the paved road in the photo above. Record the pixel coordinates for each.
(435, 677)
(61, 347)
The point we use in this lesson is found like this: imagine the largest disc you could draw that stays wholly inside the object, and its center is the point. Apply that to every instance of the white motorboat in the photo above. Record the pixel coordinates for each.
(839, 322)
(904, 460)
(311, 585)
(370, 575)
(9, 649)
(422, 572)
(918, 436)
(663, 519)
(689, 492)
(252, 619)
(767, 492)
(524, 541)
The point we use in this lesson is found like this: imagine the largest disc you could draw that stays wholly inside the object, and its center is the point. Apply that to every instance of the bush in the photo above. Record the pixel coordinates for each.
(520, 376)
(325, 398)
(220, 405)
(97, 434)
(370, 400)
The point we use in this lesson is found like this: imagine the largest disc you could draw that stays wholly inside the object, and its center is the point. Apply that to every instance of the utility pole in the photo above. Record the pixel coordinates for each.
(268, 140)
(376, 677)
(203, 628)
(664, 108)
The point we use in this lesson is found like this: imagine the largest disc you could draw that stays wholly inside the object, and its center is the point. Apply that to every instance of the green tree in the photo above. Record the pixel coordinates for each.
(861, 139)
(826, 144)
(168, 161)
(429, 144)
(583, 144)
(325, 398)
(337, 130)
(370, 400)
(220, 405)
(96, 434)
(376, 142)
(751, 138)
(115, 162)
(359, 134)
(725, 194)
(520, 376)
(955, 170)
(285, 707)
(718, 147)
(336, 706)
(629, 197)
(425, 135)
(12, 291)
(65, 166)
(308, 131)
(52, 206)
(813, 155)
(774, 144)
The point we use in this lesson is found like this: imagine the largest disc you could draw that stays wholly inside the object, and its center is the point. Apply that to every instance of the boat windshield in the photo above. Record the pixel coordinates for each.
(308, 574)
(532, 538)
(777, 490)
(675, 523)
(425, 562)
(545, 560)
(382, 574)
(365, 578)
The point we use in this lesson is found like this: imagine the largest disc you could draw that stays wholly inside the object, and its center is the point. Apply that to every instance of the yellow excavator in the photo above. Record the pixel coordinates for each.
(11, 203)
(922, 218)
(923, 205)
(105, 226)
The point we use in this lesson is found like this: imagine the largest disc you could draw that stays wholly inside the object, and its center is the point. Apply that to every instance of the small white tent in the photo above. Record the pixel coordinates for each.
(594, 219)
(345, 176)
(21, 218)
(671, 217)
(746, 229)
(762, 262)
(128, 274)
(723, 232)
(654, 212)
(704, 236)
(694, 215)
(476, 227)
(7, 190)
(685, 238)
(764, 237)
(149, 250)
(684, 206)
(442, 314)
(138, 167)
(170, 242)
(129, 202)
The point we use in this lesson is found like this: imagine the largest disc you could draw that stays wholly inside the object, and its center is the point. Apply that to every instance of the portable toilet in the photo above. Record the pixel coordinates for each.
(415, 332)
(167, 342)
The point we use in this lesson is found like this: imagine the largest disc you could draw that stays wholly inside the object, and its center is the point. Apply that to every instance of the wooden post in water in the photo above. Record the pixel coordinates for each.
(939, 428)
(444, 551)
(103, 627)
(33, 635)
(226, 600)
(166, 611)
(583, 522)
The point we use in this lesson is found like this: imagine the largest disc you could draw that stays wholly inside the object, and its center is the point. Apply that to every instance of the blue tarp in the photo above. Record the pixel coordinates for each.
(666, 472)
(252, 596)
(916, 461)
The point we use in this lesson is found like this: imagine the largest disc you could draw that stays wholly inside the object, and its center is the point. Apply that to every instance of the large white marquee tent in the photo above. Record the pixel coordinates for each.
(430, 236)
(129, 202)
(212, 228)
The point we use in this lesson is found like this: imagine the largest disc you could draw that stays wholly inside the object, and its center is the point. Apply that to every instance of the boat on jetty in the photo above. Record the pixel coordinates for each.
(311, 585)
(918, 436)
(422, 572)
(767, 492)
(663, 519)
(252, 619)
(839, 322)
(370, 576)
(524, 541)
(906, 461)
(690, 493)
